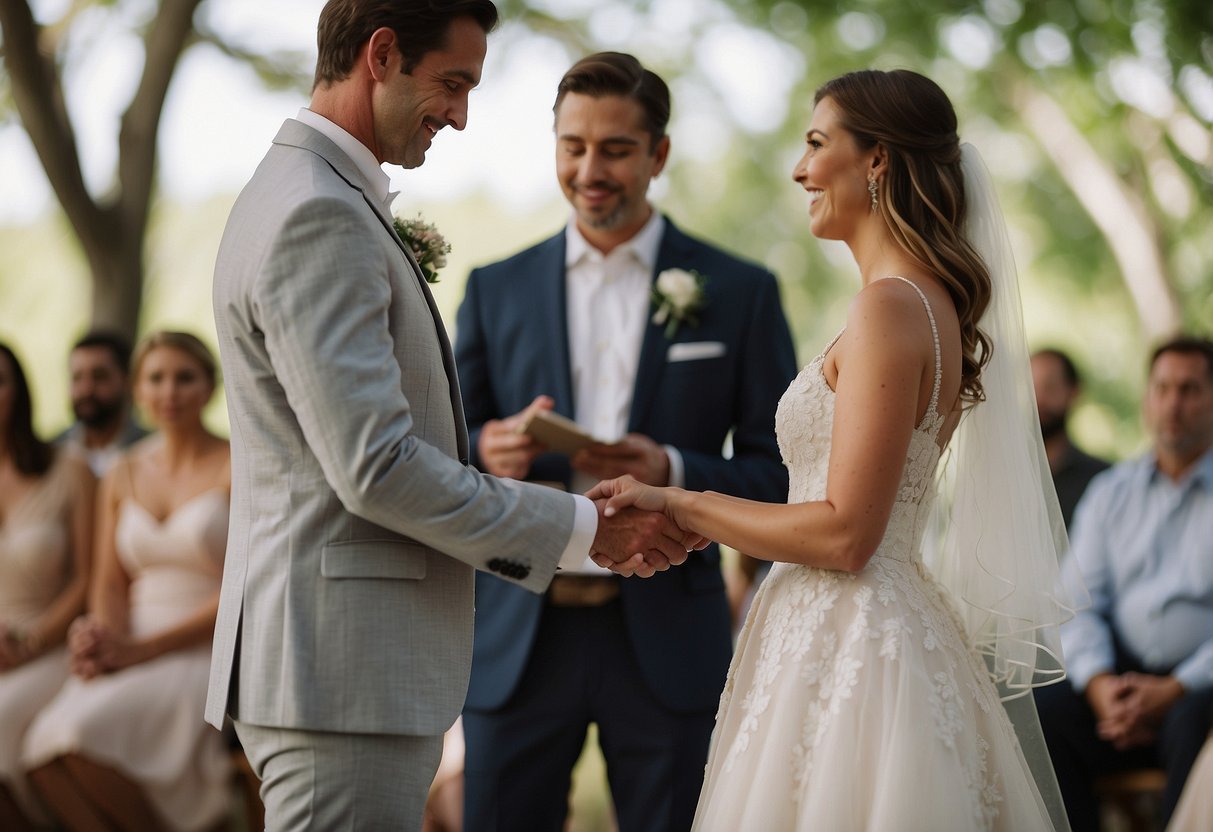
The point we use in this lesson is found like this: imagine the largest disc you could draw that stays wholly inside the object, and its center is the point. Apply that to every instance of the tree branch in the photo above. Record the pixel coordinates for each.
(1116, 210)
(280, 71)
(163, 44)
(38, 96)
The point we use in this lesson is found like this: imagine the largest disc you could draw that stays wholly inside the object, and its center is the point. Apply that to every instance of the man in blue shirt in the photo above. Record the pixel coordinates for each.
(1140, 656)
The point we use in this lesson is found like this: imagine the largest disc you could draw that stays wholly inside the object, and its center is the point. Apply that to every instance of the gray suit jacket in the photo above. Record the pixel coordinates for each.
(356, 521)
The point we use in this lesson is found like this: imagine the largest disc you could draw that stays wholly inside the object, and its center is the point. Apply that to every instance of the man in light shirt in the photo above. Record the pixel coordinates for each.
(1140, 656)
(576, 325)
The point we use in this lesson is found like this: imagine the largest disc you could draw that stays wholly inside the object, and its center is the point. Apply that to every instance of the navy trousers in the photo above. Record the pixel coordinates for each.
(519, 758)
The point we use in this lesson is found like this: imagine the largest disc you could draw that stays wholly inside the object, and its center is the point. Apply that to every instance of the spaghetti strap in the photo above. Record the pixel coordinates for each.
(130, 474)
(934, 337)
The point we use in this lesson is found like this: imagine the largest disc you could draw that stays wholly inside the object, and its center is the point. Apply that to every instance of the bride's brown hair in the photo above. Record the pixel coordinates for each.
(922, 194)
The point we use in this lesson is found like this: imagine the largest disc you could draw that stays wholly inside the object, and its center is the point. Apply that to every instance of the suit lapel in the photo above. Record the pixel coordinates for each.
(551, 297)
(670, 254)
(300, 135)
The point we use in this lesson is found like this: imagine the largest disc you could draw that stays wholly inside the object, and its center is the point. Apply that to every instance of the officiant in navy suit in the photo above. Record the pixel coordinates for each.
(665, 347)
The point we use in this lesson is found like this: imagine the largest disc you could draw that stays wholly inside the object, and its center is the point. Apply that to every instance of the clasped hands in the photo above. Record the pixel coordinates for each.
(1129, 707)
(638, 529)
(94, 648)
(638, 532)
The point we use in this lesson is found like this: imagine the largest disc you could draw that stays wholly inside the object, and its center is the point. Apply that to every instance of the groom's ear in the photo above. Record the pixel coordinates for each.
(379, 51)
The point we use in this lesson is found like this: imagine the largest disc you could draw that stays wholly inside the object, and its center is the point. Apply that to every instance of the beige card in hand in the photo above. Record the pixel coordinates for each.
(559, 433)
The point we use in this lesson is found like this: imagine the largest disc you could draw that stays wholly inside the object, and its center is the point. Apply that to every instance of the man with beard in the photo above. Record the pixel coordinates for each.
(100, 393)
(1057, 388)
(568, 325)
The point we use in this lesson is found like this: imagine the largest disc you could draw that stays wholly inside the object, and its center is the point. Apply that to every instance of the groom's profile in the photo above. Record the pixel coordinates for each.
(343, 639)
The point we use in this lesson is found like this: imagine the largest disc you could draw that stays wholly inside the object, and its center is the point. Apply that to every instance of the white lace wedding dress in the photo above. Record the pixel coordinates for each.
(854, 701)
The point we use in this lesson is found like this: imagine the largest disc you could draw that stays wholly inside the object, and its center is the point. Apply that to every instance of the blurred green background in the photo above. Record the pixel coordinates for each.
(1093, 115)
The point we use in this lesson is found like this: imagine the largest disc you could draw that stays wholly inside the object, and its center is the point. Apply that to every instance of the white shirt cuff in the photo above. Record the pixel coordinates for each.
(678, 470)
(585, 527)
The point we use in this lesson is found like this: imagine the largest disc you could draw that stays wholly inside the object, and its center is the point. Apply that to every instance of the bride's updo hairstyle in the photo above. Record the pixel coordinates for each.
(922, 194)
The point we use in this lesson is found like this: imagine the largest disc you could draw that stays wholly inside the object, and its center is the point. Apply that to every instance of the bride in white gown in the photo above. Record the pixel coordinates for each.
(864, 693)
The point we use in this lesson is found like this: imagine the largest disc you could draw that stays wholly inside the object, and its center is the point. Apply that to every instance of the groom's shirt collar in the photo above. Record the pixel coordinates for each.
(643, 246)
(377, 180)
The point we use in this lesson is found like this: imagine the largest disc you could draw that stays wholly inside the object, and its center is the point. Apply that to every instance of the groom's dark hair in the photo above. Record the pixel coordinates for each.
(615, 73)
(421, 26)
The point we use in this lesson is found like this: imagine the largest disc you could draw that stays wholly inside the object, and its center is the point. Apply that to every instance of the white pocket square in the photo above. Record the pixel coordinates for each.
(695, 351)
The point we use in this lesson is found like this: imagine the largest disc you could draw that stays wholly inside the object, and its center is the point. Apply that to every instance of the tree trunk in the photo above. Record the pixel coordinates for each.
(116, 265)
(1118, 212)
(112, 231)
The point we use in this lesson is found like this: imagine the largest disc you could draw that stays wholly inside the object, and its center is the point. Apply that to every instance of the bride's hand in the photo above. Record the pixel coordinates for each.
(624, 492)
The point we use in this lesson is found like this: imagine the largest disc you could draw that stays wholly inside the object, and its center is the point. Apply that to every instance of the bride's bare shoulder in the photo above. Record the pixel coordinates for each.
(886, 312)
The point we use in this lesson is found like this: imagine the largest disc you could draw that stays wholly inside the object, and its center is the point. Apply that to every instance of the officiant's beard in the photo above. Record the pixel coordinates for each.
(610, 221)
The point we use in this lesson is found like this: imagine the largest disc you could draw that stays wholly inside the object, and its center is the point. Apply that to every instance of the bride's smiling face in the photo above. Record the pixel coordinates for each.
(834, 172)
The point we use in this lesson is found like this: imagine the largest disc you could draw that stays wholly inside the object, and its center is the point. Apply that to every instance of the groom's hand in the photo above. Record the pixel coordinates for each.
(635, 542)
(504, 451)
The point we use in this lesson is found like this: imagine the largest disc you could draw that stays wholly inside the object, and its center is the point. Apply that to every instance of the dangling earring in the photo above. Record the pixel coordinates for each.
(872, 193)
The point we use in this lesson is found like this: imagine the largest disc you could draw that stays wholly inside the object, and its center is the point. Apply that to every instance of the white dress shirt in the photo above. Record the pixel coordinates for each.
(380, 183)
(608, 308)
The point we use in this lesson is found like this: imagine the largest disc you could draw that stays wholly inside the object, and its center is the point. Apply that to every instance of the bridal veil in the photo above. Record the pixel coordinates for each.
(999, 529)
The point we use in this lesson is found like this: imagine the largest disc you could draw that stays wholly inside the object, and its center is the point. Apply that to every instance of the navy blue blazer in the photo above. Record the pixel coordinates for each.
(512, 345)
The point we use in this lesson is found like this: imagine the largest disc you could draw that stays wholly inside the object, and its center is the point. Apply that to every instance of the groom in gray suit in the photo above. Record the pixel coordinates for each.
(344, 633)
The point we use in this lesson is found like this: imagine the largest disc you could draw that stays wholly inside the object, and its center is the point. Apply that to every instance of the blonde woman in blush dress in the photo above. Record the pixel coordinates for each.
(46, 515)
(123, 745)
(864, 691)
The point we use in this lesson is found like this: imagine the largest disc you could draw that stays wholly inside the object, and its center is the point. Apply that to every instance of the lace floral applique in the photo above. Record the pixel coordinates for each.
(820, 644)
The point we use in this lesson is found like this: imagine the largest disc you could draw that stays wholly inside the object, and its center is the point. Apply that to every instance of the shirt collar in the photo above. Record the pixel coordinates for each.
(1202, 471)
(643, 245)
(377, 180)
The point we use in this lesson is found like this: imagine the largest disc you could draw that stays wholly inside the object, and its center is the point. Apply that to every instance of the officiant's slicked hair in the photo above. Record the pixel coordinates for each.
(922, 196)
(615, 73)
(421, 26)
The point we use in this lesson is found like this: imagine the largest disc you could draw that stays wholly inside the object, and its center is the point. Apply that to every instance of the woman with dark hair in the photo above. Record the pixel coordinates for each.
(865, 690)
(123, 744)
(46, 515)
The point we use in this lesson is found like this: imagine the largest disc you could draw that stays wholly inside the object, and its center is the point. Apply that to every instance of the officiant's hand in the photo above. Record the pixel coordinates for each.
(642, 543)
(635, 455)
(503, 450)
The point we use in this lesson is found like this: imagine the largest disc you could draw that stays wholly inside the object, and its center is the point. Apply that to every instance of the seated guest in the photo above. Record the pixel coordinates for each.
(100, 394)
(1140, 657)
(123, 744)
(46, 510)
(1056, 382)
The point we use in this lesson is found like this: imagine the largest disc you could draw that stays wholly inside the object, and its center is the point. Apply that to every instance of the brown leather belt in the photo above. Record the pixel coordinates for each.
(582, 590)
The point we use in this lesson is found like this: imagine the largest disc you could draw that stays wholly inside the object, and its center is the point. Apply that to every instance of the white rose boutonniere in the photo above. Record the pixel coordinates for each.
(677, 298)
(428, 246)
